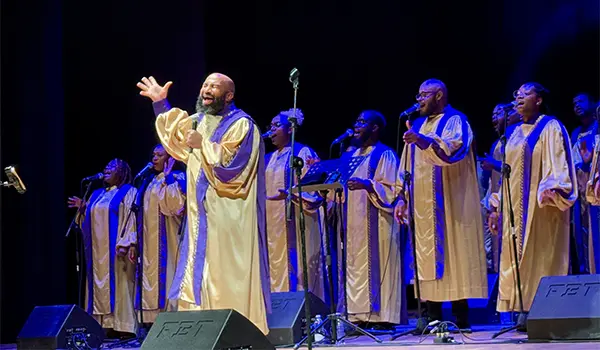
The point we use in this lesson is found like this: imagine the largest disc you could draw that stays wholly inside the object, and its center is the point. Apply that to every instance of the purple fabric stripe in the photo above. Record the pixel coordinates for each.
(162, 259)
(113, 222)
(373, 233)
(440, 222)
(240, 159)
(261, 204)
(200, 257)
(139, 200)
(161, 106)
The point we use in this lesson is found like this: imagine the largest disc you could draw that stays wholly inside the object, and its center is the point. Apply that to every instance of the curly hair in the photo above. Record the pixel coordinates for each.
(123, 171)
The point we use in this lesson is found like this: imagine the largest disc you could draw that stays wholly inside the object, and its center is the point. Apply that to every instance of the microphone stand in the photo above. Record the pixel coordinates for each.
(135, 207)
(296, 164)
(421, 322)
(506, 185)
(74, 226)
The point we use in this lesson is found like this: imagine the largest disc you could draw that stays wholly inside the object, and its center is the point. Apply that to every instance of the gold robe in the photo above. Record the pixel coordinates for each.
(449, 237)
(540, 159)
(373, 241)
(494, 184)
(223, 261)
(163, 206)
(594, 239)
(285, 253)
(112, 286)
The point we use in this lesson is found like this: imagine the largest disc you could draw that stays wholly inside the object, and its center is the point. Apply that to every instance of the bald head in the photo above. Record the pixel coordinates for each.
(433, 97)
(216, 94)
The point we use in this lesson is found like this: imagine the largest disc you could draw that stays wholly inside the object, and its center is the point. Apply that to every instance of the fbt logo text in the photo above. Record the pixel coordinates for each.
(181, 328)
(573, 289)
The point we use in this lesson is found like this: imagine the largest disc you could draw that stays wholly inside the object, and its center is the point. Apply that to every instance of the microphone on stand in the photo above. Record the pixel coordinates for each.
(267, 134)
(409, 111)
(147, 168)
(94, 177)
(345, 135)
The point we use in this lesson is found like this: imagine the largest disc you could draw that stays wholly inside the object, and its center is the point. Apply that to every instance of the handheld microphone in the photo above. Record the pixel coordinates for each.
(94, 177)
(194, 127)
(344, 136)
(148, 167)
(267, 134)
(409, 111)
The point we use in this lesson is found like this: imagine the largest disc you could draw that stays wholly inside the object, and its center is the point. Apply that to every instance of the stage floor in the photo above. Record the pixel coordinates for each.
(481, 338)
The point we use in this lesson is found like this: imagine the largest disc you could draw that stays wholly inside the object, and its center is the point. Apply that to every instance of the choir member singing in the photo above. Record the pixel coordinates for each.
(285, 258)
(223, 257)
(542, 190)
(445, 197)
(373, 282)
(109, 238)
(162, 203)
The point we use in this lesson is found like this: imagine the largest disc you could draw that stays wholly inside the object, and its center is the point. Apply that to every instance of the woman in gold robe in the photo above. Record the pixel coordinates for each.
(162, 197)
(542, 188)
(285, 258)
(109, 238)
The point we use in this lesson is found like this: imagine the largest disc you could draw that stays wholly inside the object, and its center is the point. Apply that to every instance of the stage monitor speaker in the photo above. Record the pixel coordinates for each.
(207, 329)
(565, 308)
(286, 321)
(60, 327)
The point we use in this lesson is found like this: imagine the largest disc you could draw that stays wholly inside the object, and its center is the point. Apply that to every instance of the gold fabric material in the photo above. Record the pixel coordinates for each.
(464, 255)
(359, 263)
(231, 271)
(123, 318)
(545, 247)
(277, 233)
(170, 201)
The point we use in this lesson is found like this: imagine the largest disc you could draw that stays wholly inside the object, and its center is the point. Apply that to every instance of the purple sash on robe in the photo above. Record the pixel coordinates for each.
(113, 233)
(438, 189)
(162, 240)
(373, 230)
(528, 148)
(292, 249)
(224, 174)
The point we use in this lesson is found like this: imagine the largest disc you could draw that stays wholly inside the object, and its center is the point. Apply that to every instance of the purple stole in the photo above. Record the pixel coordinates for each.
(438, 189)
(113, 233)
(225, 174)
(528, 148)
(292, 249)
(162, 241)
(373, 230)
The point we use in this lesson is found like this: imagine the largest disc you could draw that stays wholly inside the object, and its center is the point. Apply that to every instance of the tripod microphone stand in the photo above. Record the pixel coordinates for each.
(296, 164)
(506, 185)
(407, 176)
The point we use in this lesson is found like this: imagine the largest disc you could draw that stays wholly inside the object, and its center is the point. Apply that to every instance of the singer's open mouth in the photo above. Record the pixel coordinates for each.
(207, 99)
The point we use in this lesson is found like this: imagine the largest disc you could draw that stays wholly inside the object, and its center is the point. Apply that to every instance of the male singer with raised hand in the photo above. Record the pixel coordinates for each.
(449, 233)
(223, 259)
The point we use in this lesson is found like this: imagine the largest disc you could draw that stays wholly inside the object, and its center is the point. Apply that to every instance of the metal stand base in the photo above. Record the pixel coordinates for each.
(333, 319)
(418, 330)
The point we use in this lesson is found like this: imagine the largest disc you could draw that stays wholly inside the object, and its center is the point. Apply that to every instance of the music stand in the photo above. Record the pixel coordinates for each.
(322, 177)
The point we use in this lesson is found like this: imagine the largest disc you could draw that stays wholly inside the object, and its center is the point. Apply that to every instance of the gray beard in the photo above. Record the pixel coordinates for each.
(213, 109)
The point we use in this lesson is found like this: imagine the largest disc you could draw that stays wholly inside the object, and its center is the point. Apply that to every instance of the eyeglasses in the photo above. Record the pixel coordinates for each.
(424, 94)
(517, 94)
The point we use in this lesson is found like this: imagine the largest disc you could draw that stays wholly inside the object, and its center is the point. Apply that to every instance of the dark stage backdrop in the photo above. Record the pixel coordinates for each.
(70, 105)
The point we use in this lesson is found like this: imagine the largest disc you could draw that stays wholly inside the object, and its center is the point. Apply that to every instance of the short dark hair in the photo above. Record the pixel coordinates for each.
(542, 92)
(375, 117)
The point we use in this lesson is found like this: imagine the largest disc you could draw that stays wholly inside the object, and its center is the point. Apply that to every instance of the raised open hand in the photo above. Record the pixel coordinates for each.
(75, 202)
(151, 89)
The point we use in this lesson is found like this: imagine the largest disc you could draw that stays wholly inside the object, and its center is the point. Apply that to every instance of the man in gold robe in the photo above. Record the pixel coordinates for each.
(445, 196)
(161, 198)
(373, 260)
(223, 258)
